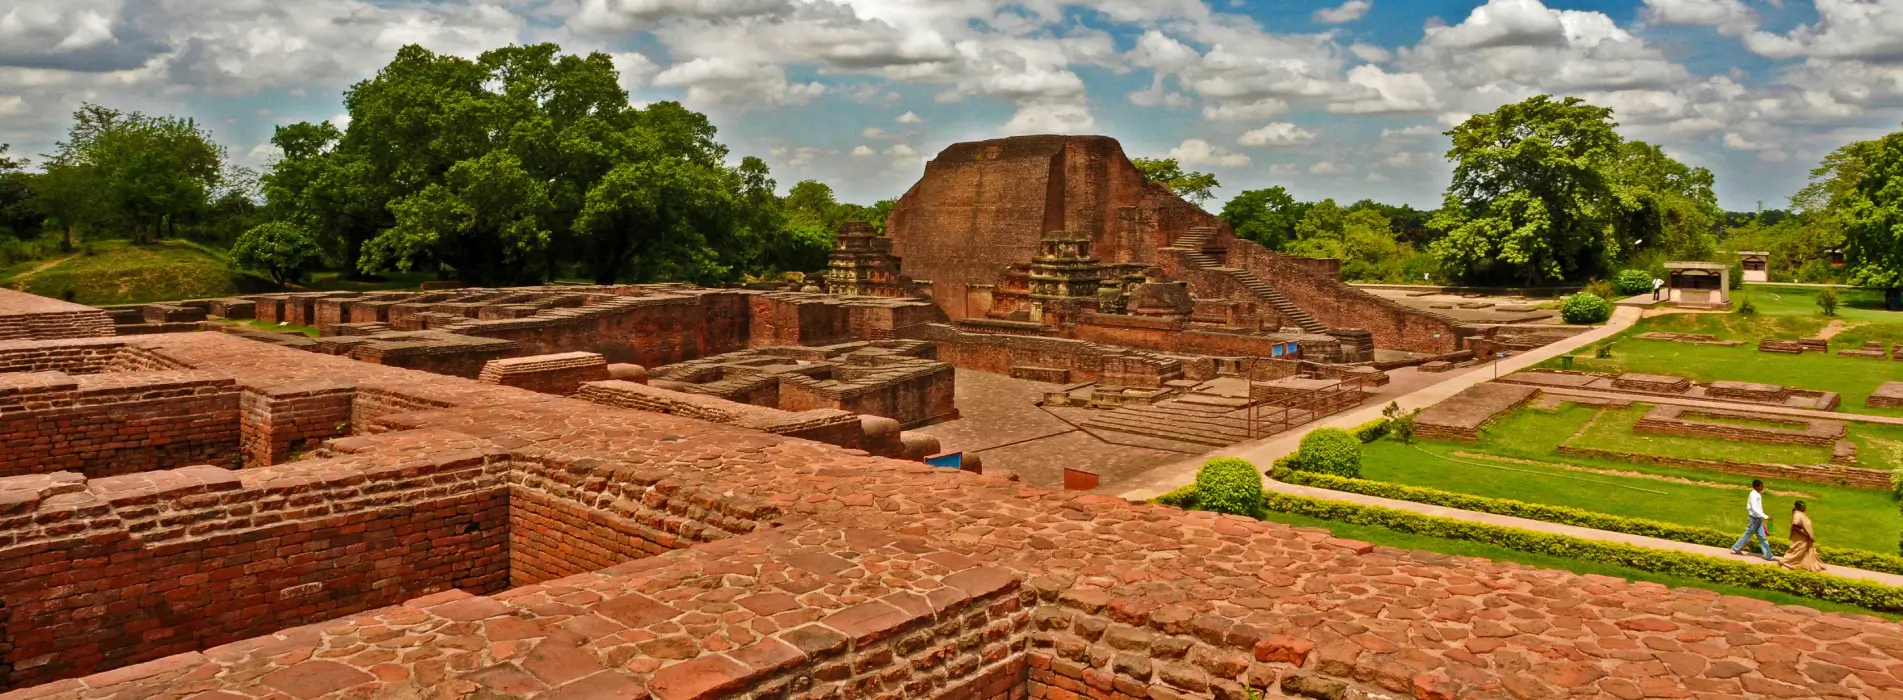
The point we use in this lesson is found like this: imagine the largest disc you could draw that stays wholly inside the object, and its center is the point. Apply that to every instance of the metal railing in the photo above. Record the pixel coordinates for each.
(1288, 412)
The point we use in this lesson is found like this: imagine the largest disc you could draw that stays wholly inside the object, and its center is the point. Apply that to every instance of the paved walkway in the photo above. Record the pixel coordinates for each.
(1261, 452)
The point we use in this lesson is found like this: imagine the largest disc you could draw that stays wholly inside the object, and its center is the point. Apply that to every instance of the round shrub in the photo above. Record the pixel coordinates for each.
(1602, 289)
(1630, 282)
(1229, 485)
(1585, 307)
(1330, 451)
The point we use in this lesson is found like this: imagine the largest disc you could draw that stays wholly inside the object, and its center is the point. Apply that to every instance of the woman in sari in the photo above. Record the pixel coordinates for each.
(1803, 552)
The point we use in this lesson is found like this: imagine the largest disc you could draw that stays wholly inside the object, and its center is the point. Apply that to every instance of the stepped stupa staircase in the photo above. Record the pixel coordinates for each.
(1201, 419)
(1195, 240)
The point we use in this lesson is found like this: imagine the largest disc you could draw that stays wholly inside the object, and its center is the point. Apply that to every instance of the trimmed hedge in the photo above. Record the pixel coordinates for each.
(1837, 589)
(1330, 451)
(1229, 485)
(1371, 431)
(1841, 556)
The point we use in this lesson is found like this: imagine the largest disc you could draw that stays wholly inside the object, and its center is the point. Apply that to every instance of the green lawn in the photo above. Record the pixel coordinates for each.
(331, 281)
(1613, 431)
(1845, 517)
(118, 272)
(1403, 540)
(274, 327)
(1857, 305)
(1853, 379)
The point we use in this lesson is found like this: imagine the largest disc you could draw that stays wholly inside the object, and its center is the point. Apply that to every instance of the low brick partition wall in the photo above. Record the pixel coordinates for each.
(1461, 416)
(285, 418)
(1652, 383)
(1747, 391)
(1671, 419)
(561, 374)
(116, 423)
(201, 556)
(1794, 347)
(1837, 474)
(435, 351)
(1871, 350)
(830, 426)
(1887, 395)
(235, 309)
(26, 316)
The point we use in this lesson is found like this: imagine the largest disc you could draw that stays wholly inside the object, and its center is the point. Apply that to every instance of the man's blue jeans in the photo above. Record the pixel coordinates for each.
(1755, 528)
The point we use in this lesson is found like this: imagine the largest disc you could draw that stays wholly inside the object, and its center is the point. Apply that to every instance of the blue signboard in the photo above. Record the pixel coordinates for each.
(955, 460)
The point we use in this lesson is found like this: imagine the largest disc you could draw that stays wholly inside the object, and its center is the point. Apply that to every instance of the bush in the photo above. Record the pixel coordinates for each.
(1837, 589)
(1229, 485)
(1371, 431)
(1602, 289)
(1630, 282)
(1603, 351)
(280, 250)
(1584, 308)
(1330, 451)
(1842, 556)
(1400, 423)
(1746, 308)
(1827, 301)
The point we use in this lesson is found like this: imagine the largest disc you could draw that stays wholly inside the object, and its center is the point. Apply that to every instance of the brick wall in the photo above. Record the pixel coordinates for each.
(830, 426)
(112, 571)
(1325, 297)
(560, 374)
(105, 424)
(282, 419)
(575, 518)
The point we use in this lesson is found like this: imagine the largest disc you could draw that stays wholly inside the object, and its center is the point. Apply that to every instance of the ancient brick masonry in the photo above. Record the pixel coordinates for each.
(116, 423)
(560, 374)
(798, 567)
(29, 317)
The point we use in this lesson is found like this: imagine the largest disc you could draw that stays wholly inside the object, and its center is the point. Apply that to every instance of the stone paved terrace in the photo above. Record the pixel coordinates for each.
(825, 573)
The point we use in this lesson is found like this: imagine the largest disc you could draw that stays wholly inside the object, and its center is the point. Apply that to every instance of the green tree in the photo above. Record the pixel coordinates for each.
(144, 175)
(1872, 216)
(1190, 185)
(1666, 205)
(1266, 216)
(279, 249)
(17, 214)
(811, 203)
(484, 221)
(651, 220)
(1532, 196)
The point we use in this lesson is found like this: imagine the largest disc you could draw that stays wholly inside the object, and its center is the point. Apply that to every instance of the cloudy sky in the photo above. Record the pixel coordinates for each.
(1336, 99)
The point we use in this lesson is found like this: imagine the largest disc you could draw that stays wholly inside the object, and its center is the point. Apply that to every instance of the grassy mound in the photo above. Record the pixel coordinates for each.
(117, 272)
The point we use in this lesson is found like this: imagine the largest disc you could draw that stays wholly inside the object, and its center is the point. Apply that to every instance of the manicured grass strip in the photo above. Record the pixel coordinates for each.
(1802, 583)
(1855, 558)
(1460, 548)
(273, 327)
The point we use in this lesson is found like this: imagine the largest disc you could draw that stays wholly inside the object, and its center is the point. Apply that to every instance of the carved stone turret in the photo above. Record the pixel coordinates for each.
(862, 263)
(1064, 275)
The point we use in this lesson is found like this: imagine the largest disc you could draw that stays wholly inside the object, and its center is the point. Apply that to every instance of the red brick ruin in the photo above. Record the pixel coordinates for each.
(677, 493)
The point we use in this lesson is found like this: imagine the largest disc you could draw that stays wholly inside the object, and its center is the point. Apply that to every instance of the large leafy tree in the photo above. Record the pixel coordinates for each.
(1533, 193)
(1266, 216)
(1664, 204)
(17, 216)
(514, 167)
(1871, 211)
(1197, 187)
(139, 174)
(282, 250)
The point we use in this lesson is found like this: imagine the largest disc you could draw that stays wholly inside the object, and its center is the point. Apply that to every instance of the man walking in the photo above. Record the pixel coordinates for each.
(1760, 524)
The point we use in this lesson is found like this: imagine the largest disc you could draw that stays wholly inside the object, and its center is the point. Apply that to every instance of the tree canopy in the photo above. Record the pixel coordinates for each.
(1863, 184)
(1266, 216)
(1191, 185)
(1532, 195)
(127, 171)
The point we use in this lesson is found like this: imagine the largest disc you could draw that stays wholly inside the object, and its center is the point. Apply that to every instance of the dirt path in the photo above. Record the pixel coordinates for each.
(1831, 329)
(20, 280)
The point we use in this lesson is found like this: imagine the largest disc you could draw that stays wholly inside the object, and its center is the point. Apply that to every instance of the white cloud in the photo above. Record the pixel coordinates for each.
(1371, 53)
(902, 155)
(863, 150)
(1200, 152)
(1283, 169)
(909, 117)
(1346, 12)
(714, 81)
(1050, 117)
(1870, 30)
(1377, 177)
(1325, 167)
(1730, 17)
(1418, 131)
(1277, 134)
(1377, 90)
(1231, 111)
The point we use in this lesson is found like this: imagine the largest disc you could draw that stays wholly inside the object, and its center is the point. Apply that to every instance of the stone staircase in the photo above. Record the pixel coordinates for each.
(1202, 419)
(1194, 240)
